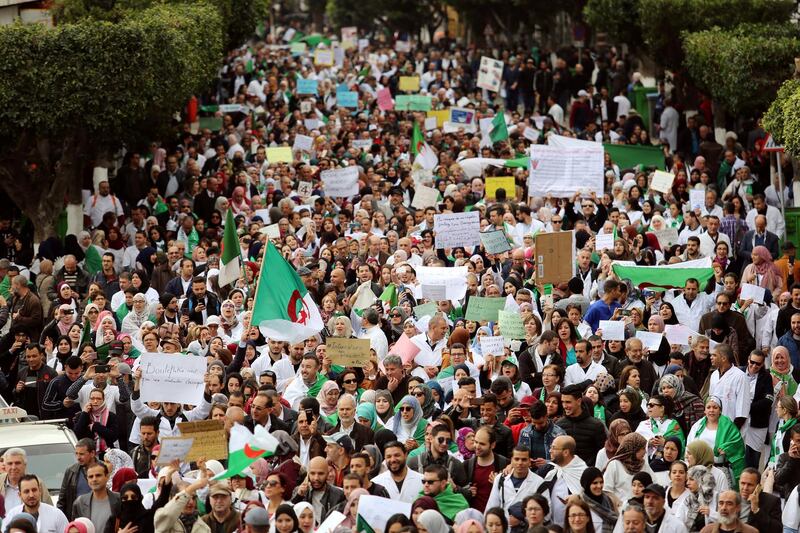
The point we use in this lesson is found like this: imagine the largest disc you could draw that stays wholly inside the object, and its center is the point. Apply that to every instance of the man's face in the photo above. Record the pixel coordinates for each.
(186, 268)
(395, 460)
(488, 410)
(364, 274)
(747, 484)
(148, 436)
(570, 405)
(457, 356)
(690, 291)
(220, 503)
(727, 508)
(795, 325)
(359, 467)
(581, 354)
(394, 371)
(15, 466)
(318, 475)
(504, 397)
(483, 446)
(308, 370)
(633, 522)
(199, 289)
(521, 463)
(34, 358)
(260, 409)
(437, 329)
(440, 441)
(108, 263)
(431, 485)
(634, 352)
(29, 493)
(96, 477)
(333, 452)
(691, 247)
(712, 225)
(653, 504)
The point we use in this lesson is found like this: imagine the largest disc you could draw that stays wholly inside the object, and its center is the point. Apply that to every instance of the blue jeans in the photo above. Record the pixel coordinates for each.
(789, 530)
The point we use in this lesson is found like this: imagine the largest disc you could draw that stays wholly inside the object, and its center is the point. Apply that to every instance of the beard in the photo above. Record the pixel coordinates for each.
(727, 520)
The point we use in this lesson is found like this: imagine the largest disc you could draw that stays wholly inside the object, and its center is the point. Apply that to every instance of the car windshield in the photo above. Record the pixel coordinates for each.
(49, 462)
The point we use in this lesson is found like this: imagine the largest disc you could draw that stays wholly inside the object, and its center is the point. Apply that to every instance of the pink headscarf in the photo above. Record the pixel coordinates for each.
(658, 321)
(101, 316)
(464, 526)
(770, 275)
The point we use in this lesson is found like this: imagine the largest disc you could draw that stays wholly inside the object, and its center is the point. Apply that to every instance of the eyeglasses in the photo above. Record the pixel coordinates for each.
(755, 363)
(429, 481)
(349, 381)
(406, 408)
(272, 483)
(441, 440)
(554, 221)
(396, 315)
(419, 394)
(653, 404)
(577, 515)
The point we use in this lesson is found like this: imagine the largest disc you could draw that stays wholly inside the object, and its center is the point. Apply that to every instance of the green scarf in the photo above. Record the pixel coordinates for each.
(449, 502)
(791, 384)
(782, 429)
(314, 389)
(122, 312)
(669, 428)
(600, 413)
(729, 440)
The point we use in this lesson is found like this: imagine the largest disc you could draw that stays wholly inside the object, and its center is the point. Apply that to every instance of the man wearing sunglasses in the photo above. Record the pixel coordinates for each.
(754, 431)
(435, 484)
(437, 453)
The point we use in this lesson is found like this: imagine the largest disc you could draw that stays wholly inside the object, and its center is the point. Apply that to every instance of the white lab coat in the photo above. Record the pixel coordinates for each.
(412, 485)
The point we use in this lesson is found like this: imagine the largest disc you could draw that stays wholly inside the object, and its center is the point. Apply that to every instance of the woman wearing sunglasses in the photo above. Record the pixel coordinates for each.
(408, 423)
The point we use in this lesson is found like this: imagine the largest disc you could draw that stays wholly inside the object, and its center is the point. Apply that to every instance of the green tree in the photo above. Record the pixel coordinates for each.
(742, 67)
(70, 91)
(782, 119)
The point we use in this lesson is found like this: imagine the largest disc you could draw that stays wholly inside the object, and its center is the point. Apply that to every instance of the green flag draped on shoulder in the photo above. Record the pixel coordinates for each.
(665, 276)
(230, 263)
(93, 263)
(283, 309)
(729, 440)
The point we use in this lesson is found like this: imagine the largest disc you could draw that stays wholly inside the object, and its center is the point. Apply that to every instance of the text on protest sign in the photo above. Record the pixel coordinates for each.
(495, 242)
(506, 183)
(279, 154)
(305, 86)
(210, 440)
(457, 229)
(172, 378)
(492, 345)
(511, 326)
(486, 309)
(561, 172)
(172, 448)
(303, 143)
(490, 74)
(340, 182)
(348, 352)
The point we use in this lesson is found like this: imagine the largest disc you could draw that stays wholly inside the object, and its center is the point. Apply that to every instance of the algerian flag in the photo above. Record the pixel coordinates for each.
(499, 129)
(426, 158)
(93, 263)
(389, 295)
(667, 276)
(375, 511)
(244, 448)
(230, 263)
(283, 308)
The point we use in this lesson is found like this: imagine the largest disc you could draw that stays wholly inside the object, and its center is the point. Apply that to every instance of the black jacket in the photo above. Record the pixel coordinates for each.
(761, 406)
(69, 489)
(332, 498)
(500, 463)
(108, 432)
(769, 516)
(589, 434)
(190, 305)
(361, 435)
(453, 466)
(141, 461)
(787, 474)
(505, 438)
(54, 396)
(275, 424)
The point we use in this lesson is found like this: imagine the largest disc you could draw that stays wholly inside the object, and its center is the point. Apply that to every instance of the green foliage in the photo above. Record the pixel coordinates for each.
(660, 23)
(105, 77)
(782, 119)
(742, 67)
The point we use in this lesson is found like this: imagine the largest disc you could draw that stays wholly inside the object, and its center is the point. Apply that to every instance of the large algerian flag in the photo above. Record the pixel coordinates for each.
(426, 158)
(499, 129)
(283, 308)
(230, 263)
(93, 262)
(375, 511)
(244, 448)
(667, 276)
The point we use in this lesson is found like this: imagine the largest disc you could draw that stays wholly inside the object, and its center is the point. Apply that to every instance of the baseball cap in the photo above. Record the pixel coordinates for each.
(303, 271)
(340, 438)
(656, 489)
(116, 347)
(527, 401)
(257, 516)
(219, 489)
(213, 319)
(124, 369)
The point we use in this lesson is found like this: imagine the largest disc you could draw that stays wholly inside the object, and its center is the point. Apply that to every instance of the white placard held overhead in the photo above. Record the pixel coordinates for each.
(752, 291)
(272, 231)
(302, 143)
(697, 199)
(376, 510)
(492, 345)
(662, 181)
(490, 74)
(531, 134)
(562, 171)
(340, 182)
(613, 330)
(650, 341)
(452, 278)
(362, 144)
(435, 292)
(457, 229)
(430, 123)
(425, 197)
(678, 334)
(604, 241)
(174, 448)
(172, 378)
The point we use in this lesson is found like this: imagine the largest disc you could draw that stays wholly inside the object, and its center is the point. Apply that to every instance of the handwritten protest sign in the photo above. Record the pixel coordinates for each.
(347, 98)
(305, 188)
(667, 237)
(305, 86)
(348, 352)
(362, 144)
(323, 58)
(531, 134)
(490, 74)
(340, 182)
(279, 154)
(604, 241)
(272, 231)
(173, 448)
(495, 242)
(511, 326)
(298, 49)
(425, 197)
(457, 229)
(562, 171)
(483, 309)
(428, 309)
(413, 102)
(501, 182)
(210, 440)
(385, 101)
(697, 199)
(349, 37)
(303, 143)
(492, 345)
(409, 84)
(172, 378)
(662, 181)
(441, 116)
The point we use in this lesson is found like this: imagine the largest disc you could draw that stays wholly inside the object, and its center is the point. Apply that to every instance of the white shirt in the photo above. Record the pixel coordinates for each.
(558, 114)
(733, 389)
(377, 341)
(775, 222)
(50, 520)
(411, 487)
(576, 374)
(691, 315)
(111, 395)
(507, 495)
(428, 355)
(708, 245)
(623, 105)
(99, 205)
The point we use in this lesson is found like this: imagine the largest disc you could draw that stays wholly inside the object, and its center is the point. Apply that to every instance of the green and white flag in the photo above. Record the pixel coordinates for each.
(425, 157)
(667, 276)
(374, 512)
(93, 262)
(283, 309)
(499, 129)
(245, 447)
(230, 265)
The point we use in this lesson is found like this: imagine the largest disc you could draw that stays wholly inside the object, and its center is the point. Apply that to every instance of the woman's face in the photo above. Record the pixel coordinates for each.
(577, 518)
(619, 248)
(690, 460)
(218, 413)
(712, 411)
(534, 513)
(407, 412)
(493, 524)
(597, 486)
(564, 331)
(592, 394)
(339, 328)
(234, 385)
(75, 333)
(273, 487)
(284, 523)
(381, 405)
(665, 312)
(215, 344)
(350, 383)
(677, 474)
(655, 409)
(637, 489)
(306, 519)
(96, 400)
(779, 359)
(574, 316)
(65, 292)
(624, 404)
(667, 390)
(552, 406)
(722, 250)
(531, 330)
(633, 379)
(332, 395)
(691, 484)
(64, 346)
(756, 258)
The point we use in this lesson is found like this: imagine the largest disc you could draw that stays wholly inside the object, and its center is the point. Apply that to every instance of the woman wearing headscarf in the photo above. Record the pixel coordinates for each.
(462, 437)
(763, 272)
(659, 426)
(437, 392)
(700, 453)
(340, 326)
(630, 408)
(132, 510)
(116, 459)
(430, 409)
(138, 315)
(629, 460)
(305, 515)
(786, 409)
(351, 508)
(604, 505)
(660, 464)
(432, 522)
(144, 260)
(105, 329)
(702, 501)
(469, 526)
(722, 435)
(687, 407)
(365, 414)
(408, 424)
(328, 398)
(397, 316)
(783, 372)
(660, 357)
(616, 431)
(721, 333)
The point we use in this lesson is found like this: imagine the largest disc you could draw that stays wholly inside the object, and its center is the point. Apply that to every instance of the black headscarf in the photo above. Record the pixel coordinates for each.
(383, 437)
(130, 510)
(588, 476)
